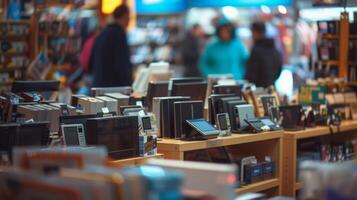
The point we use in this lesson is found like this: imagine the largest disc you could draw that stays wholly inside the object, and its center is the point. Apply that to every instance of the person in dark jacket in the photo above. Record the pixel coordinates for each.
(110, 56)
(191, 50)
(265, 62)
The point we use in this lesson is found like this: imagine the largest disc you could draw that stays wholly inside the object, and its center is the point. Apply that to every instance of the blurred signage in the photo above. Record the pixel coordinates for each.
(309, 94)
(107, 6)
(238, 3)
(160, 6)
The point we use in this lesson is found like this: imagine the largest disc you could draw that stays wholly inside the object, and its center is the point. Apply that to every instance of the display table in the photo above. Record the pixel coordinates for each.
(133, 161)
(348, 131)
(259, 145)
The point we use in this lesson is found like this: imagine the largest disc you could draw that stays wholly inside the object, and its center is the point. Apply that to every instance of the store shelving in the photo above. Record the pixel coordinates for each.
(133, 161)
(258, 187)
(259, 145)
(290, 185)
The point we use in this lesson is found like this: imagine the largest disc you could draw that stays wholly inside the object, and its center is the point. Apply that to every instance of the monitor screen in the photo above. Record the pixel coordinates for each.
(119, 134)
(70, 133)
(202, 125)
(33, 134)
(195, 90)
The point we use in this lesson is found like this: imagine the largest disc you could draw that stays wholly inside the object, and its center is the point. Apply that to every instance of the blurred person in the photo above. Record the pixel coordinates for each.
(191, 50)
(224, 53)
(265, 63)
(110, 56)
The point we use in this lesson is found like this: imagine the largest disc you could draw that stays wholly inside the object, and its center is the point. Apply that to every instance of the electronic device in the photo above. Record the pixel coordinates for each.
(291, 117)
(195, 90)
(253, 173)
(223, 124)
(213, 106)
(126, 90)
(76, 119)
(167, 128)
(268, 101)
(159, 71)
(243, 112)
(230, 108)
(174, 81)
(227, 89)
(213, 175)
(28, 134)
(246, 161)
(90, 105)
(202, 129)
(123, 108)
(156, 89)
(186, 110)
(35, 86)
(73, 134)
(145, 123)
(255, 125)
(110, 103)
(272, 125)
(119, 134)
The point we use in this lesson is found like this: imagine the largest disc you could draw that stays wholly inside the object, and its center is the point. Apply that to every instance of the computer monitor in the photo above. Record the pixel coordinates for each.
(120, 134)
(156, 89)
(35, 86)
(195, 90)
(227, 89)
(76, 119)
(290, 117)
(174, 81)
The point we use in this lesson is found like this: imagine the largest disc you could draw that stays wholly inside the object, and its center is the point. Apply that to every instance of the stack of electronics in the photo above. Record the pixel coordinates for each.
(228, 101)
(249, 170)
(83, 173)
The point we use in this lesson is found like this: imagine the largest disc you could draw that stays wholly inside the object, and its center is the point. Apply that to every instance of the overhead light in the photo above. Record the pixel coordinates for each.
(282, 9)
(265, 9)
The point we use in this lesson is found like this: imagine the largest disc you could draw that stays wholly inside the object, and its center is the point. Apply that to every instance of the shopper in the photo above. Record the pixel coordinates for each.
(224, 53)
(110, 57)
(191, 50)
(265, 62)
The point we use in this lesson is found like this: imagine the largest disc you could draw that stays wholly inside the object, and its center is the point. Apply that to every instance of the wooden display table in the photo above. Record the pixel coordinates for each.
(259, 145)
(348, 131)
(133, 161)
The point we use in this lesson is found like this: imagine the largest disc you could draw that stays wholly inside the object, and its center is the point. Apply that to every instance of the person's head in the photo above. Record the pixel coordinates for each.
(121, 15)
(225, 30)
(196, 30)
(258, 30)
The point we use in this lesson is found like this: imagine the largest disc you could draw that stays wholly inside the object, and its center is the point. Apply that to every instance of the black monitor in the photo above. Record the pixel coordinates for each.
(156, 89)
(227, 89)
(195, 90)
(35, 86)
(290, 116)
(120, 134)
(174, 81)
(29, 134)
(76, 119)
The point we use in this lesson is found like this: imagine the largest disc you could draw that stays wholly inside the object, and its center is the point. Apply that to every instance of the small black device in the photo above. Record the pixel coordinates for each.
(35, 86)
(195, 90)
(227, 89)
(156, 89)
(224, 124)
(230, 108)
(145, 123)
(120, 134)
(123, 109)
(202, 129)
(186, 110)
(291, 117)
(73, 134)
(255, 125)
(272, 125)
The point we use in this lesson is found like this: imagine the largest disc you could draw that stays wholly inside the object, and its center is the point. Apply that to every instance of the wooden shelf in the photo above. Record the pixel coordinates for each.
(329, 36)
(179, 145)
(298, 186)
(133, 161)
(329, 62)
(320, 131)
(259, 187)
(353, 36)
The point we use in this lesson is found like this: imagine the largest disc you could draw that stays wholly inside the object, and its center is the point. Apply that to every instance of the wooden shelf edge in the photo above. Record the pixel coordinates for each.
(235, 139)
(259, 187)
(136, 159)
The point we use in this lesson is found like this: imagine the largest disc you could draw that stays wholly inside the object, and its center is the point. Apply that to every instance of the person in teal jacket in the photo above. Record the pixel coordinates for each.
(224, 54)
